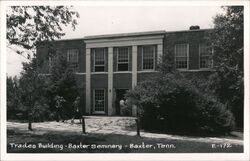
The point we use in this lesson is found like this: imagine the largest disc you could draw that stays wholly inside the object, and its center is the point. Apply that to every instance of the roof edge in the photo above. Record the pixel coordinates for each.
(158, 32)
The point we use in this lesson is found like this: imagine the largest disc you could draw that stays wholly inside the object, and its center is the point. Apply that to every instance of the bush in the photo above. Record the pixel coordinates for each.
(171, 103)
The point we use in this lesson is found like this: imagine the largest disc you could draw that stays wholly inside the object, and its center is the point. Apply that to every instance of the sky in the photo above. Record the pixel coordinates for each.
(100, 20)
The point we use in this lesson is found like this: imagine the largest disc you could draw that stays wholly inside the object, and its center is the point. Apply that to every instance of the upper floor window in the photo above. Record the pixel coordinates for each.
(99, 59)
(205, 53)
(148, 55)
(72, 58)
(181, 56)
(122, 58)
(52, 59)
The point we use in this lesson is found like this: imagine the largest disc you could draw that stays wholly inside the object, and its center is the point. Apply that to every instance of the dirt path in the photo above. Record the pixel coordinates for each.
(112, 125)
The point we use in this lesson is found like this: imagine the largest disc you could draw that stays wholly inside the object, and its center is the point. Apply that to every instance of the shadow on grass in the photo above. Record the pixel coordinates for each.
(108, 143)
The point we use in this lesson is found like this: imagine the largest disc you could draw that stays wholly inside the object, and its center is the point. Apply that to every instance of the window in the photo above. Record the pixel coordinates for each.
(50, 62)
(122, 58)
(99, 59)
(72, 58)
(148, 54)
(205, 53)
(181, 56)
(99, 100)
(52, 59)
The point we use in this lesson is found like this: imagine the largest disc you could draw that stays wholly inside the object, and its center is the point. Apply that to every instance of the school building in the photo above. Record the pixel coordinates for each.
(106, 66)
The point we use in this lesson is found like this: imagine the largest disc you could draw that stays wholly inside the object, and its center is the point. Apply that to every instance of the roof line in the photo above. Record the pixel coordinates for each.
(132, 34)
(190, 30)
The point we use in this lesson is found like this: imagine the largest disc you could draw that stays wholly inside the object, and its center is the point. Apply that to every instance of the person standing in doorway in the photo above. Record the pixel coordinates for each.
(122, 106)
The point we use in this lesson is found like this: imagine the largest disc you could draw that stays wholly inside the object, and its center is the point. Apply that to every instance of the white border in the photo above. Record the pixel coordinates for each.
(137, 157)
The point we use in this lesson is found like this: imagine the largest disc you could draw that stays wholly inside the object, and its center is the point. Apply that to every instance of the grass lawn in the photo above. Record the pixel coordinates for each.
(66, 138)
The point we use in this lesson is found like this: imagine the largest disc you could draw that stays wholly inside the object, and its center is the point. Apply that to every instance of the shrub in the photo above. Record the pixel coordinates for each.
(171, 103)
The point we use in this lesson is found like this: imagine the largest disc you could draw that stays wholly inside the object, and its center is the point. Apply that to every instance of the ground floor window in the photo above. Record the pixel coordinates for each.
(99, 100)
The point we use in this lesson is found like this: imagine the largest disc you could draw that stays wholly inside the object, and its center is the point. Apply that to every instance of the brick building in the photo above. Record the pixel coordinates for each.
(106, 66)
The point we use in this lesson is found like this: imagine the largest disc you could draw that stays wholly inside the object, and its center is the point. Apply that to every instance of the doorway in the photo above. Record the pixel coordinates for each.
(120, 95)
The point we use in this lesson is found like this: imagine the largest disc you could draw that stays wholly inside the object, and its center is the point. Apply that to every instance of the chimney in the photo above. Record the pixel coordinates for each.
(196, 27)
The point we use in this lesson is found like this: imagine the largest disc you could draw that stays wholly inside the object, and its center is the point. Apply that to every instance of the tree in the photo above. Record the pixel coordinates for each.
(227, 80)
(29, 25)
(32, 90)
(62, 84)
(13, 101)
(171, 103)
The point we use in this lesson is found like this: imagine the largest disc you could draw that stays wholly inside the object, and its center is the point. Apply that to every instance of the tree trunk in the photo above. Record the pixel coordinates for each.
(30, 122)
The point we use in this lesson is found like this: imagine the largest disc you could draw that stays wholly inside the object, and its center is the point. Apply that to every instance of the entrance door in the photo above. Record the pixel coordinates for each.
(119, 96)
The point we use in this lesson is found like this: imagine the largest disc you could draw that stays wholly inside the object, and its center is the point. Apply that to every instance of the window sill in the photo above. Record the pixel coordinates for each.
(121, 72)
(196, 70)
(99, 72)
(147, 71)
(99, 112)
(79, 73)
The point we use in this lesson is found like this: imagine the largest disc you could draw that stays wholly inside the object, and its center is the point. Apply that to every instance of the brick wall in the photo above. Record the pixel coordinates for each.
(122, 80)
(193, 38)
(61, 47)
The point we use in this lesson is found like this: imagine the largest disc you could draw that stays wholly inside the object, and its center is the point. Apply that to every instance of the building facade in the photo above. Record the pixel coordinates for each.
(106, 66)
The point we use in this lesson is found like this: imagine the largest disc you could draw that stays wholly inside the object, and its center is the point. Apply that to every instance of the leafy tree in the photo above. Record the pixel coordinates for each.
(29, 25)
(32, 89)
(63, 84)
(227, 80)
(171, 103)
(13, 101)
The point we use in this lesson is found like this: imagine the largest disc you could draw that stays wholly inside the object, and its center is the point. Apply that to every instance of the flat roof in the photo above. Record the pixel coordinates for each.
(158, 32)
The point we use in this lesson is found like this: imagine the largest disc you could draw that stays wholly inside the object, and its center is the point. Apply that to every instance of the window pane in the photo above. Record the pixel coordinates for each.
(99, 100)
(73, 67)
(122, 54)
(99, 68)
(205, 50)
(52, 60)
(181, 54)
(181, 50)
(99, 56)
(148, 57)
(72, 55)
(205, 56)
(122, 58)
(123, 67)
(181, 62)
(205, 62)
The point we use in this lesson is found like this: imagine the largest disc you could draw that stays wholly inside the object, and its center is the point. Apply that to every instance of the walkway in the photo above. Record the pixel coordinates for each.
(112, 125)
